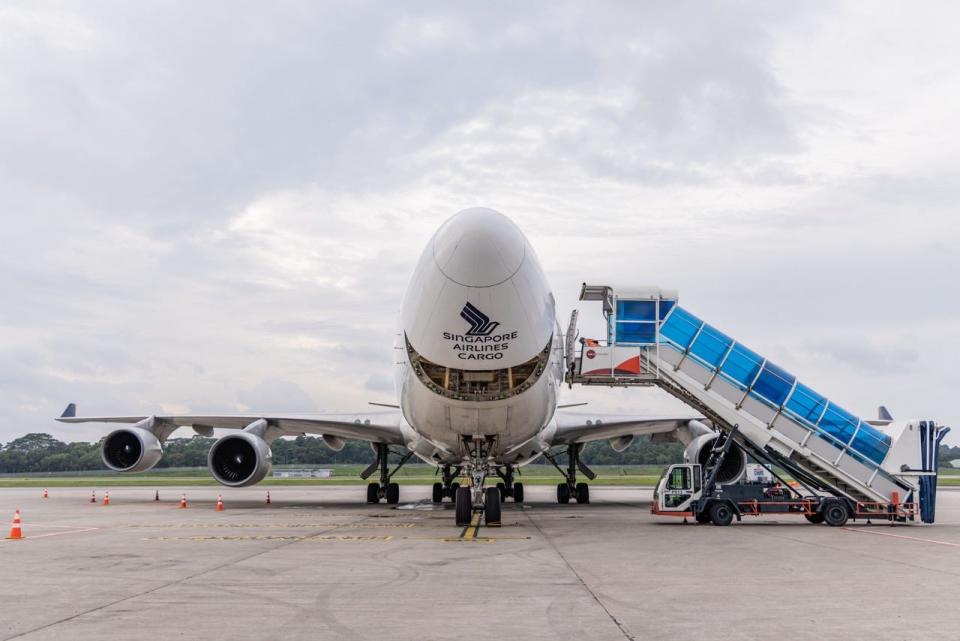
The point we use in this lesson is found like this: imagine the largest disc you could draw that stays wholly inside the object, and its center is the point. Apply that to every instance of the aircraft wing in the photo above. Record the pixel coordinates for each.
(376, 427)
(576, 427)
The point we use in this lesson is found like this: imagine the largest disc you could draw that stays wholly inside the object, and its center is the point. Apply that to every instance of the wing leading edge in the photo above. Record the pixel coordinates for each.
(575, 427)
(376, 427)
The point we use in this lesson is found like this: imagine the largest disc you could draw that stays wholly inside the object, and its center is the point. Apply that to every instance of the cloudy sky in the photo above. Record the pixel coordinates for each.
(215, 206)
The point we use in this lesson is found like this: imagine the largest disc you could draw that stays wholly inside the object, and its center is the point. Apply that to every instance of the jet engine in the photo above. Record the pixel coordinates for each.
(131, 449)
(240, 459)
(734, 465)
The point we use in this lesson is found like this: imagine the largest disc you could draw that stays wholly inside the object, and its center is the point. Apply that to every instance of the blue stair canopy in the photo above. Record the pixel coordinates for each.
(636, 321)
(755, 375)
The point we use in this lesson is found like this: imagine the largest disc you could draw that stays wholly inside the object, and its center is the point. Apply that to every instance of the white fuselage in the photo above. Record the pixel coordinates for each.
(480, 353)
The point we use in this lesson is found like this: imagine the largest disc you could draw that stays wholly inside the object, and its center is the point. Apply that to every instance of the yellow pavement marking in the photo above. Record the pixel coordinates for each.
(471, 531)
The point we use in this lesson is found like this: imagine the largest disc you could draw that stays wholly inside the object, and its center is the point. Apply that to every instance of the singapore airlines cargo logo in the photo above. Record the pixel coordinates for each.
(480, 323)
(479, 343)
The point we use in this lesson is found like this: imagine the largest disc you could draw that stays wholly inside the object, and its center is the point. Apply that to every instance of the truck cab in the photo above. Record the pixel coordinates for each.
(679, 486)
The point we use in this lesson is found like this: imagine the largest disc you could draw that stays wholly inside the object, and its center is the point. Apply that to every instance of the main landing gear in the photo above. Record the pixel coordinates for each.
(570, 489)
(448, 488)
(385, 489)
(507, 486)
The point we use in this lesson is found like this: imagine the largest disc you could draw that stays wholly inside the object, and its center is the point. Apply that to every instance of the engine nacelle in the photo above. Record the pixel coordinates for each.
(131, 449)
(734, 465)
(240, 459)
(620, 443)
(335, 443)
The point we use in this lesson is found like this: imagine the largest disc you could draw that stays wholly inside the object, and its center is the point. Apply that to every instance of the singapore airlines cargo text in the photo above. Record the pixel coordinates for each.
(480, 347)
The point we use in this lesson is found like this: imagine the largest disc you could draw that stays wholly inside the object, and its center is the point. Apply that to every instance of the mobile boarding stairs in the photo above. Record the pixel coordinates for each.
(879, 466)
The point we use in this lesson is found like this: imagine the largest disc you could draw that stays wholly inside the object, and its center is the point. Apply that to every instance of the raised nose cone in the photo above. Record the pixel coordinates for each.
(479, 247)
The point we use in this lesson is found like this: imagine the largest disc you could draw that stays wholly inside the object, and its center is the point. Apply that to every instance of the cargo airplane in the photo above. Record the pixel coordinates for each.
(479, 367)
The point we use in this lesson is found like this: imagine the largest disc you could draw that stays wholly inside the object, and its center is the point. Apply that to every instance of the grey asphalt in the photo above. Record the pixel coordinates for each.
(319, 564)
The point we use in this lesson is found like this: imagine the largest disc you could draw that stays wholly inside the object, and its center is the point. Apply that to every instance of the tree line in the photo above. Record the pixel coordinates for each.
(38, 452)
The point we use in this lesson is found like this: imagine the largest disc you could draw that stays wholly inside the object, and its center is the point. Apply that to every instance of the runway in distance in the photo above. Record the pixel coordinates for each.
(479, 367)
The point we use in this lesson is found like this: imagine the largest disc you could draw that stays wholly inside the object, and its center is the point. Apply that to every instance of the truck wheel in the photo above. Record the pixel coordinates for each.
(702, 518)
(816, 518)
(835, 514)
(721, 514)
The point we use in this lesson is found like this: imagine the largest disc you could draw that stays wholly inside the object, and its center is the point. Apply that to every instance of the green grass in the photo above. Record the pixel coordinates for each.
(415, 474)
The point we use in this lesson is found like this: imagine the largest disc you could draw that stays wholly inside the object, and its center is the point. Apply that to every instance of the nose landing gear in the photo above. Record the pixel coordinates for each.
(476, 498)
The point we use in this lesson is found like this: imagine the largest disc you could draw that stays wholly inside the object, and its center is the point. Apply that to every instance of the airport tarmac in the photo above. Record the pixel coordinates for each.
(318, 563)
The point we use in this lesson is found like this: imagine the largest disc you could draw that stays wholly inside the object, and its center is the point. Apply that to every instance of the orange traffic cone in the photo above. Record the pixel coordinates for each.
(106, 498)
(15, 531)
(93, 496)
(219, 503)
(183, 500)
(268, 497)
(45, 493)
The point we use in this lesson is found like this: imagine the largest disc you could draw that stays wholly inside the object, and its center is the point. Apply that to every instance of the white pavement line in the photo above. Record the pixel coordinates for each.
(28, 537)
(66, 527)
(620, 626)
(901, 536)
(86, 529)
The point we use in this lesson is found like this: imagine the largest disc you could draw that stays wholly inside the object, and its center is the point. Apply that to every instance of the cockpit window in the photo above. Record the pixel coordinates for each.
(479, 385)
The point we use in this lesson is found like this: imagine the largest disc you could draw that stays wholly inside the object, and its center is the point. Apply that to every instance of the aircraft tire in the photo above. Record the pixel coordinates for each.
(583, 493)
(563, 493)
(518, 492)
(491, 506)
(464, 506)
(438, 492)
(393, 493)
(373, 493)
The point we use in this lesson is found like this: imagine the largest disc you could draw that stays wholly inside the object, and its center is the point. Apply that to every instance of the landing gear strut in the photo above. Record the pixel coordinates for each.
(570, 489)
(476, 498)
(385, 489)
(507, 486)
(447, 488)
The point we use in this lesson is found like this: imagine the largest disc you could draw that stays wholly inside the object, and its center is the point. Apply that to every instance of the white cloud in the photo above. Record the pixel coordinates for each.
(217, 208)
